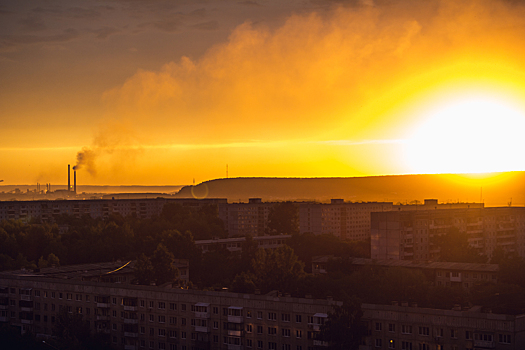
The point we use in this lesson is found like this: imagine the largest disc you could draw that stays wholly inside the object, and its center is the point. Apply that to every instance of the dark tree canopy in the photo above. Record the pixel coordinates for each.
(454, 247)
(343, 330)
(284, 218)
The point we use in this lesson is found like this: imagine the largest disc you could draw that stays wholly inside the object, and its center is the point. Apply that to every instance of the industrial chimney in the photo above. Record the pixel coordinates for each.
(74, 181)
(69, 177)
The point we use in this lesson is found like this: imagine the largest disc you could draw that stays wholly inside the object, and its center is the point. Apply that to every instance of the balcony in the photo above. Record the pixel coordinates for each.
(235, 319)
(234, 347)
(4, 319)
(26, 308)
(235, 333)
(131, 334)
(103, 305)
(130, 308)
(484, 344)
(202, 329)
(26, 297)
(102, 318)
(320, 343)
(4, 307)
(131, 321)
(130, 347)
(27, 321)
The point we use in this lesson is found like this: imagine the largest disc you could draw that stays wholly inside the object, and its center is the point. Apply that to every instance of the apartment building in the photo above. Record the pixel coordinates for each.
(412, 328)
(409, 234)
(346, 220)
(446, 274)
(235, 244)
(161, 317)
(96, 208)
(150, 317)
(243, 219)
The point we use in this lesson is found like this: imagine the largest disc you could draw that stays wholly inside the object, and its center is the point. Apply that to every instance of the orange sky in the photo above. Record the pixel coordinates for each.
(166, 92)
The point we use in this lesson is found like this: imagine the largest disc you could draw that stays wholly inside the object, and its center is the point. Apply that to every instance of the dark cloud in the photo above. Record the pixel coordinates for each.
(249, 3)
(15, 40)
(210, 25)
(80, 12)
(105, 32)
(32, 24)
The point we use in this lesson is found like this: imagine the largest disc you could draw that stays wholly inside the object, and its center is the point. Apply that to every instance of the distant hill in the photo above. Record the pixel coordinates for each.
(497, 189)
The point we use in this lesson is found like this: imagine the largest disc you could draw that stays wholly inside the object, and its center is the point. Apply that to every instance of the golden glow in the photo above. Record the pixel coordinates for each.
(468, 135)
(400, 87)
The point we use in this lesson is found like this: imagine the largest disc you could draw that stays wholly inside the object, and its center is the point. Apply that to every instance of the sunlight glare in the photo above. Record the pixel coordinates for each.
(471, 135)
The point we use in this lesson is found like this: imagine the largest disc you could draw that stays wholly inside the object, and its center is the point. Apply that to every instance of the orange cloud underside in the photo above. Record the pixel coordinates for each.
(357, 74)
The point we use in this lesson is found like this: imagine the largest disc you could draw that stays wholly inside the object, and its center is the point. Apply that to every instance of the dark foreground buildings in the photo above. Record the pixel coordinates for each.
(162, 317)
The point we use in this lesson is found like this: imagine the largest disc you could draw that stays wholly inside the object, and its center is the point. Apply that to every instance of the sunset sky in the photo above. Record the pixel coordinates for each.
(163, 92)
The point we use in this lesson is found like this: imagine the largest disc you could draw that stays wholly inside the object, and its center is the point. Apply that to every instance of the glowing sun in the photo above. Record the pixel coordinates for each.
(469, 135)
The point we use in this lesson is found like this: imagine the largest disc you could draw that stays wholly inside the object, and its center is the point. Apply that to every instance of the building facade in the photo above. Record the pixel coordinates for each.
(409, 234)
(148, 317)
(346, 220)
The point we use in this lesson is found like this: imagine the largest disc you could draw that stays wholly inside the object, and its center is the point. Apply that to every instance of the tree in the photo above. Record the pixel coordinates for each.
(454, 247)
(143, 270)
(277, 269)
(343, 329)
(163, 269)
(284, 218)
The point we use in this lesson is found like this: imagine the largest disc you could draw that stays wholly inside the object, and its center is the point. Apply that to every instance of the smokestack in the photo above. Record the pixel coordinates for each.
(69, 177)
(74, 181)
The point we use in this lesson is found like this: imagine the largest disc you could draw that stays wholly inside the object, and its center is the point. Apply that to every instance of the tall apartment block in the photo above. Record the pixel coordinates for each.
(409, 234)
(346, 220)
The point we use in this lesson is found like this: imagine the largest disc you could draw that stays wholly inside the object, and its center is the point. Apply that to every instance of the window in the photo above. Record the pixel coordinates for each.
(183, 321)
(151, 303)
(298, 334)
(183, 335)
(453, 333)
(114, 300)
(215, 324)
(504, 338)
(162, 346)
(215, 310)
(248, 343)
(142, 330)
(286, 347)
(259, 344)
(152, 318)
(259, 329)
(406, 329)
(424, 346)
(285, 332)
(285, 317)
(248, 314)
(172, 334)
(272, 346)
(162, 332)
(173, 306)
(424, 331)
(259, 315)
(379, 342)
(379, 326)
(142, 303)
(152, 332)
(391, 344)
(162, 319)
(391, 327)
(173, 320)
(272, 330)
(298, 318)
(249, 328)
(183, 307)
(162, 305)
(468, 335)
(406, 345)
(272, 316)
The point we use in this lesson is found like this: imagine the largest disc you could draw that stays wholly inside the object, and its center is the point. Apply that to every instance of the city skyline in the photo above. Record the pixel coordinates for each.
(133, 92)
